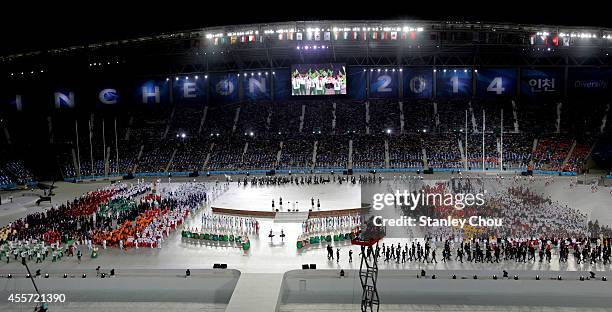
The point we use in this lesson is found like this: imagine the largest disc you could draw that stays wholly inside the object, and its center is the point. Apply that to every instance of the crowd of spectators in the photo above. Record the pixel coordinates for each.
(261, 154)
(5, 179)
(442, 150)
(332, 152)
(405, 152)
(408, 128)
(578, 157)
(368, 152)
(296, 153)
(551, 152)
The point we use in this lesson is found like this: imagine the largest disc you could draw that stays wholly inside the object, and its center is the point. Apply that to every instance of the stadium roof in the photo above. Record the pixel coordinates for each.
(55, 26)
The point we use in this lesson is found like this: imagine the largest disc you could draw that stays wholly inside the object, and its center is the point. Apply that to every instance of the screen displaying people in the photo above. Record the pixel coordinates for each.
(318, 79)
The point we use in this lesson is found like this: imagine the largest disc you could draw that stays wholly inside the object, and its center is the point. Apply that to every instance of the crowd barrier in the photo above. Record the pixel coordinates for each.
(302, 170)
(9, 186)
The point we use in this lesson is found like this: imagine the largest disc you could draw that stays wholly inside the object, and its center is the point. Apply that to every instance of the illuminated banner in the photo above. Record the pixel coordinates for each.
(189, 89)
(282, 84)
(63, 98)
(356, 83)
(256, 85)
(496, 82)
(456, 82)
(107, 96)
(541, 82)
(152, 92)
(589, 82)
(418, 83)
(384, 84)
(224, 88)
(11, 103)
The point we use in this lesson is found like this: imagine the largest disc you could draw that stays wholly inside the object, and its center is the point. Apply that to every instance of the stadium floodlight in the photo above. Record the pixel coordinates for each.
(176, 78)
(378, 69)
(475, 70)
(205, 76)
(251, 133)
(245, 74)
(187, 78)
(183, 135)
(388, 131)
(363, 70)
(386, 70)
(306, 48)
(400, 69)
(454, 70)
(444, 70)
(259, 74)
(371, 69)
(298, 47)
(196, 77)
(314, 47)
(266, 73)
(273, 73)
(465, 70)
(167, 79)
(434, 70)
(393, 70)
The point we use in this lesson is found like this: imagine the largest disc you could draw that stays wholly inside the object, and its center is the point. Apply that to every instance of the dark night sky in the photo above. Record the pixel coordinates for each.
(52, 26)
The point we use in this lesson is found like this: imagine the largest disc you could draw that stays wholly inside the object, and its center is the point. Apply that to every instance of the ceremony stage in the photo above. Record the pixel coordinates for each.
(256, 200)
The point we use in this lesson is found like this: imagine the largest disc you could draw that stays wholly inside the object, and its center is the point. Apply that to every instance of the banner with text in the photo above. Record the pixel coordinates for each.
(496, 82)
(224, 88)
(541, 82)
(384, 84)
(418, 83)
(453, 83)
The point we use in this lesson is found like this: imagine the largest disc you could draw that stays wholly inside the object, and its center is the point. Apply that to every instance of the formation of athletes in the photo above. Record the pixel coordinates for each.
(475, 251)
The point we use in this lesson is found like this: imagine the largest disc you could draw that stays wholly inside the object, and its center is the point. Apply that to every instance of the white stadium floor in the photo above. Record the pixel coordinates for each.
(264, 266)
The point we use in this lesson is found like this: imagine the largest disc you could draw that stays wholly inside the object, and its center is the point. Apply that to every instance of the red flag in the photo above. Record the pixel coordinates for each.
(555, 41)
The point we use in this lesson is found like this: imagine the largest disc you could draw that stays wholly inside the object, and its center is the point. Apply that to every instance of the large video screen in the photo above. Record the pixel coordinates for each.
(318, 79)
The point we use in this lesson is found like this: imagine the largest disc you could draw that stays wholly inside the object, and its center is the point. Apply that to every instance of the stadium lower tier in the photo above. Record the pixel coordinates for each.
(319, 153)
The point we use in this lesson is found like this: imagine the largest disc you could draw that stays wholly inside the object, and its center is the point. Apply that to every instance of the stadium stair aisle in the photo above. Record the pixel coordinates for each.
(256, 292)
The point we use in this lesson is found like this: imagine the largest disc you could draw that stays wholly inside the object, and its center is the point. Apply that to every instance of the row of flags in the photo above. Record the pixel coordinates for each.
(552, 40)
(322, 36)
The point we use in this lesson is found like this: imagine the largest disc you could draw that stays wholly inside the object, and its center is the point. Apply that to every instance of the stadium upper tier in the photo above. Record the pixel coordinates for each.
(256, 46)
